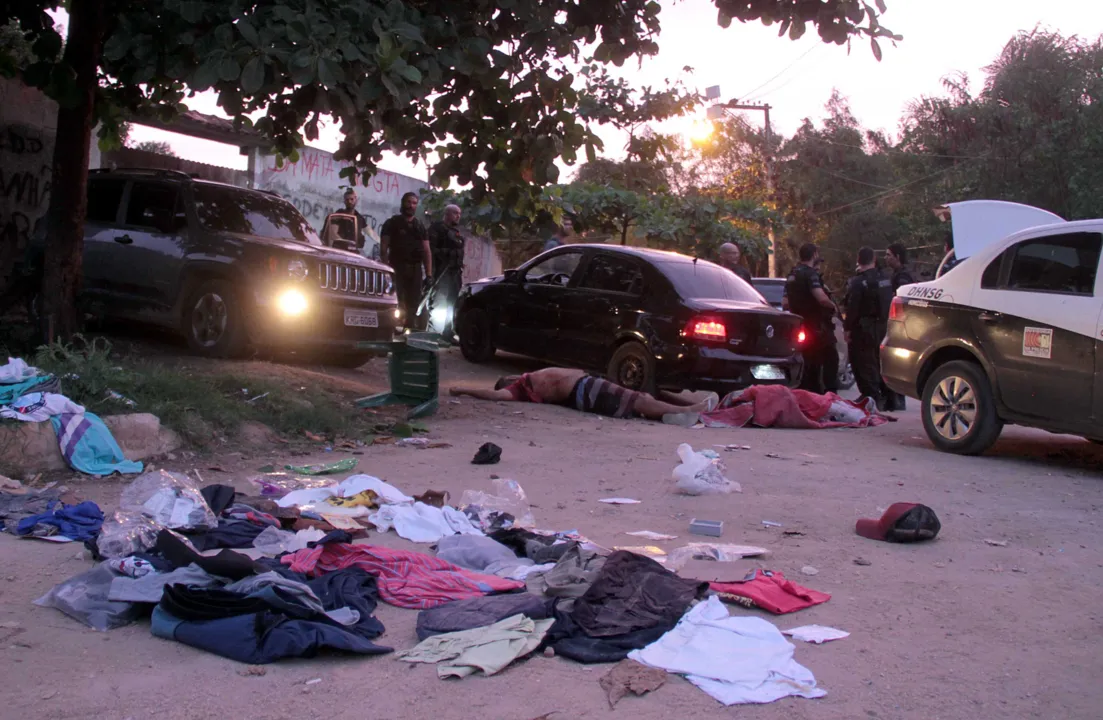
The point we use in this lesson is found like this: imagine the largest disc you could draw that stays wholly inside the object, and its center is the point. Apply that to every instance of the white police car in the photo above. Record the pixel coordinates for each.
(1012, 334)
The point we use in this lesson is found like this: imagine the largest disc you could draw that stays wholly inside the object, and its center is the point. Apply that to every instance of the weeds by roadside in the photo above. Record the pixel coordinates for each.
(203, 407)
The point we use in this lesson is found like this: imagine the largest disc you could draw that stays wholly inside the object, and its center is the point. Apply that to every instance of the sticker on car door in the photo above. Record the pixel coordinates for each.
(1038, 342)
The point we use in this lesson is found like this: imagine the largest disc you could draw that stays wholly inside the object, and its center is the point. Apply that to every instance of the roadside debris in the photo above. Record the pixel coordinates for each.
(793, 533)
(332, 468)
(809, 570)
(629, 676)
(862, 561)
(488, 454)
(817, 634)
(651, 551)
(507, 507)
(648, 535)
(422, 443)
(770, 591)
(619, 501)
(712, 528)
(711, 551)
(701, 473)
(771, 523)
(996, 543)
(901, 523)
(253, 671)
(732, 448)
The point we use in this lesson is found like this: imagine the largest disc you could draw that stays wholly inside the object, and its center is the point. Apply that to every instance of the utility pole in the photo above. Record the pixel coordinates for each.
(715, 112)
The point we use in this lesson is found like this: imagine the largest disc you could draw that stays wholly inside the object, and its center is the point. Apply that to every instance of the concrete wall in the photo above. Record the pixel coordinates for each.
(315, 186)
(28, 120)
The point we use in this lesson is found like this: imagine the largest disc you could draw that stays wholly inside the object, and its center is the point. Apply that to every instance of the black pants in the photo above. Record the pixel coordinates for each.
(817, 361)
(865, 360)
(407, 284)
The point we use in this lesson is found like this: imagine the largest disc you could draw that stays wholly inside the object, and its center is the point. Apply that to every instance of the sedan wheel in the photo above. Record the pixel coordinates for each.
(959, 410)
(633, 366)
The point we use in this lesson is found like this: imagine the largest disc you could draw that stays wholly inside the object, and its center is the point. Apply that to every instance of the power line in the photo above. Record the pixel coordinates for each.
(782, 71)
(986, 156)
(889, 191)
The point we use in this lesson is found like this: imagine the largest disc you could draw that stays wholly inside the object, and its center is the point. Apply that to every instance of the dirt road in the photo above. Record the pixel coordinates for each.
(955, 628)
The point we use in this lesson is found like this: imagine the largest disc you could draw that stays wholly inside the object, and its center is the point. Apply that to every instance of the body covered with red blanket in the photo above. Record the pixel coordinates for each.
(782, 407)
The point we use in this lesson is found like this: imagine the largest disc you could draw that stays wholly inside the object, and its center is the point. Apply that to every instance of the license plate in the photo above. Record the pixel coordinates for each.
(362, 318)
(767, 372)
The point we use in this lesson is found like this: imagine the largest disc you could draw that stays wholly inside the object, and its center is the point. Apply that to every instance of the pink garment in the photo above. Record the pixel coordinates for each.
(406, 578)
(782, 407)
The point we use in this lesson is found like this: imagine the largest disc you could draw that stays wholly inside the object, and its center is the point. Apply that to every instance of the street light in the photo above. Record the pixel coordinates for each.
(701, 131)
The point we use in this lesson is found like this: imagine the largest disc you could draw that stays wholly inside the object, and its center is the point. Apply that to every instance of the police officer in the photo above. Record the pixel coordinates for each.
(830, 354)
(868, 296)
(896, 257)
(805, 296)
(404, 245)
(446, 244)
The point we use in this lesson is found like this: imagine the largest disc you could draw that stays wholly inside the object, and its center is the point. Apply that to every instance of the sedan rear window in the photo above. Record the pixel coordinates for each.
(705, 281)
(225, 209)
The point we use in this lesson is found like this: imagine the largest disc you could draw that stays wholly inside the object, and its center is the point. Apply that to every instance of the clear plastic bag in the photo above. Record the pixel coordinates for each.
(279, 484)
(127, 533)
(508, 497)
(720, 552)
(169, 499)
(702, 473)
(84, 597)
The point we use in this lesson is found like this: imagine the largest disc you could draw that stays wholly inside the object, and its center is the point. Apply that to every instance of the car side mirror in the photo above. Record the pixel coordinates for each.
(511, 276)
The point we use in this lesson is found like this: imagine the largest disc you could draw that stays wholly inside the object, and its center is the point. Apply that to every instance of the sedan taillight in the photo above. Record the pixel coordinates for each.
(896, 309)
(706, 328)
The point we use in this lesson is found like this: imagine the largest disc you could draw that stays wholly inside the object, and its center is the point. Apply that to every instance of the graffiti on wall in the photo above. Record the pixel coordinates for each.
(25, 157)
(315, 187)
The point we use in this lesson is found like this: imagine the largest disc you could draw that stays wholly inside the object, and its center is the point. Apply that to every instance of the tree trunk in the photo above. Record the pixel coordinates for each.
(69, 182)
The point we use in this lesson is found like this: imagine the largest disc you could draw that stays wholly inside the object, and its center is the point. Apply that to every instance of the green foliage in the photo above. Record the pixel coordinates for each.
(202, 406)
(155, 146)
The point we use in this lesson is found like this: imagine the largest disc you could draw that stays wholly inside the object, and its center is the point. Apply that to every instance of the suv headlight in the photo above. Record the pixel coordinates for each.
(297, 269)
(388, 284)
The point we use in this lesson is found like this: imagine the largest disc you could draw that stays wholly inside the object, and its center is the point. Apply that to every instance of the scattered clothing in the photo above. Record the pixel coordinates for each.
(569, 640)
(489, 649)
(778, 406)
(14, 506)
(76, 522)
(534, 546)
(733, 659)
(10, 392)
(406, 579)
(436, 498)
(149, 588)
(84, 598)
(227, 564)
(272, 541)
(314, 499)
(367, 499)
(88, 446)
(902, 523)
(133, 567)
(573, 574)
(481, 554)
(422, 523)
(769, 591)
(228, 534)
(478, 612)
(488, 454)
(631, 593)
(596, 395)
(299, 591)
(39, 407)
(218, 497)
(628, 676)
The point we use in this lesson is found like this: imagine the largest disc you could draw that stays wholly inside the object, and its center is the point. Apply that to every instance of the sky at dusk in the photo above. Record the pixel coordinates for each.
(751, 63)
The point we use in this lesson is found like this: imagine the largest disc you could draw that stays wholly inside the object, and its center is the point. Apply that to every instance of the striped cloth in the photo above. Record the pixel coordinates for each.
(597, 395)
(406, 578)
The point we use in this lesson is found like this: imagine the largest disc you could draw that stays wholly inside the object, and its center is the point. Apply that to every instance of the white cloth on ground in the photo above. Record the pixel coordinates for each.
(733, 659)
(273, 541)
(16, 371)
(422, 523)
(40, 407)
(314, 499)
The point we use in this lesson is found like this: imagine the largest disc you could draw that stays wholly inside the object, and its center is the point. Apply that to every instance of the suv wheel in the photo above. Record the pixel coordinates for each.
(476, 336)
(213, 322)
(633, 367)
(959, 411)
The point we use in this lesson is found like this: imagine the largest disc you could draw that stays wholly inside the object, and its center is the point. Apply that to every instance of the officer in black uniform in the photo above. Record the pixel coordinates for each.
(868, 296)
(830, 355)
(404, 245)
(896, 257)
(805, 296)
(446, 244)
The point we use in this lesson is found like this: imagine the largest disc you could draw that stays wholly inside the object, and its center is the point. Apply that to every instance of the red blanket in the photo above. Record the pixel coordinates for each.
(406, 578)
(772, 592)
(779, 406)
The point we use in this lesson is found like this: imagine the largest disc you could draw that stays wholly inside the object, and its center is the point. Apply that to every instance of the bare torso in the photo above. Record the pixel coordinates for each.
(554, 385)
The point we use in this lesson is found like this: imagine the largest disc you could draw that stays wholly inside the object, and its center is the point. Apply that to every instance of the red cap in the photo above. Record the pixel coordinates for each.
(879, 529)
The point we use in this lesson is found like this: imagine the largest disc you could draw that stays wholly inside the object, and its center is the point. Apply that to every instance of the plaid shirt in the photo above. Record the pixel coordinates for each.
(406, 578)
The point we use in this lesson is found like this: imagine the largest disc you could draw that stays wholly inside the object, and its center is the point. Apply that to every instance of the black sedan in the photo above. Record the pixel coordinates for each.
(646, 319)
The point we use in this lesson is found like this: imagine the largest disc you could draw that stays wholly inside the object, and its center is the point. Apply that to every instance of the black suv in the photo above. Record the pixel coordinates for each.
(227, 267)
